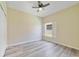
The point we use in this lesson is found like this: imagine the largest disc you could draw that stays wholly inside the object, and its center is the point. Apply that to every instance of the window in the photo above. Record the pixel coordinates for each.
(50, 29)
(48, 26)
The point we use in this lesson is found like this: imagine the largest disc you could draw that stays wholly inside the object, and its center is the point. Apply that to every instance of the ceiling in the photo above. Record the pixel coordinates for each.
(54, 6)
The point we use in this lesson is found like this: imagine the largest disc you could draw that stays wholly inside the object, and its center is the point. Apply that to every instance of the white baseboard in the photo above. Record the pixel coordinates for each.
(60, 43)
(21, 43)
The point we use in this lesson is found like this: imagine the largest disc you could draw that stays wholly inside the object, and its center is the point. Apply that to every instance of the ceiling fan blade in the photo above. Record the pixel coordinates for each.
(46, 5)
(39, 2)
(35, 7)
(41, 5)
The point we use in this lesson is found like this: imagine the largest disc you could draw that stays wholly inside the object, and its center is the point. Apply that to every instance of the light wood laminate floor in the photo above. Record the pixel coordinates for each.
(40, 49)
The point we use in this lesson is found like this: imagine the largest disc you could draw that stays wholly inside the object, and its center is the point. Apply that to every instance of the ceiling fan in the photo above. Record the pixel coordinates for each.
(40, 6)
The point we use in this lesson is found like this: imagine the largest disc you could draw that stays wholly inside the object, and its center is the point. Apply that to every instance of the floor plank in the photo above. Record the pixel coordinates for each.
(40, 49)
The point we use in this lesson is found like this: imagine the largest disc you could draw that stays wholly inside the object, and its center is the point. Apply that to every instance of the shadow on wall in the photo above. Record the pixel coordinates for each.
(23, 27)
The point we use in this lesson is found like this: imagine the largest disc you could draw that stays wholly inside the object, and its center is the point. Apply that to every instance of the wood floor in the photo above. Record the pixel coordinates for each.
(40, 49)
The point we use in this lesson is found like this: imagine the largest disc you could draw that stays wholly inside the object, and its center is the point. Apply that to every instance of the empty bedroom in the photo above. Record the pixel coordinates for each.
(39, 28)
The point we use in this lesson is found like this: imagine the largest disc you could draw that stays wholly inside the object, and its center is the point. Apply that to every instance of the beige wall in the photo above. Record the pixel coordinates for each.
(67, 23)
(22, 27)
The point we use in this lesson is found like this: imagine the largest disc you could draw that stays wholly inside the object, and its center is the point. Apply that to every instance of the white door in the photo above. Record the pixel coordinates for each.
(2, 32)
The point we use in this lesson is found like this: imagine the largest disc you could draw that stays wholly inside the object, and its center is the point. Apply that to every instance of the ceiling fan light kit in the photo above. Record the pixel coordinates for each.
(40, 9)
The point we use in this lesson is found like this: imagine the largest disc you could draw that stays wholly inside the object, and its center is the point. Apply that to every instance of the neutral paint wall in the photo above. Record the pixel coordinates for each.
(22, 27)
(67, 24)
(3, 30)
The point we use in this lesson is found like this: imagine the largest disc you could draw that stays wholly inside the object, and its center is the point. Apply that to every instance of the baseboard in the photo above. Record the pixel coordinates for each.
(22, 43)
(61, 43)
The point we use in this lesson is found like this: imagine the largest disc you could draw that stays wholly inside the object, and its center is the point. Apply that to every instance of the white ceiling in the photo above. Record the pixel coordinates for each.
(54, 6)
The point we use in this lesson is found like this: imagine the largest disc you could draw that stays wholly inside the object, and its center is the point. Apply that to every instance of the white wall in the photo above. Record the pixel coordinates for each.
(2, 32)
